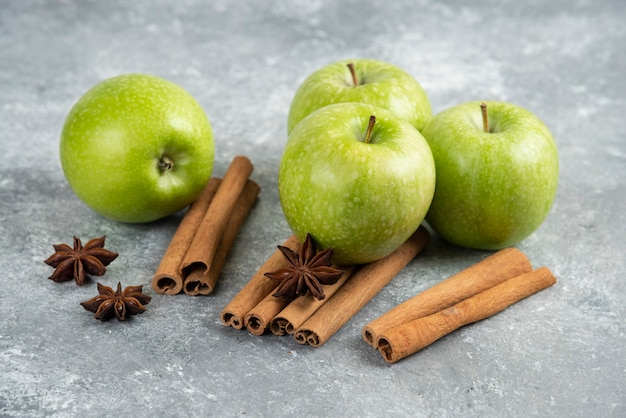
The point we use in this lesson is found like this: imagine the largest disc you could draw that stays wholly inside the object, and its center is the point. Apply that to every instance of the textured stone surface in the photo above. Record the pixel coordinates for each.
(559, 353)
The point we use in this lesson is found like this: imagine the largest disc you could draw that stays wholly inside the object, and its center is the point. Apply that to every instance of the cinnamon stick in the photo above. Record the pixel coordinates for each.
(204, 245)
(202, 282)
(487, 273)
(168, 278)
(406, 339)
(257, 288)
(258, 319)
(360, 289)
(301, 309)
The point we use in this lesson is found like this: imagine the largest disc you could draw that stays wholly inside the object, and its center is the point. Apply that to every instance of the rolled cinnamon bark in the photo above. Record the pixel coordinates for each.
(487, 273)
(168, 278)
(204, 245)
(301, 308)
(202, 282)
(408, 338)
(258, 319)
(360, 289)
(257, 288)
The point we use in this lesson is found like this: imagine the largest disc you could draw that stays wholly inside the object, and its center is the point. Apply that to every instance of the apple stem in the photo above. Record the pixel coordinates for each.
(355, 81)
(483, 108)
(165, 163)
(370, 128)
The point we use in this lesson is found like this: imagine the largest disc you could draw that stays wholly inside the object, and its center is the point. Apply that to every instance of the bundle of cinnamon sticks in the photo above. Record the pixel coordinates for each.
(476, 293)
(471, 295)
(309, 320)
(198, 250)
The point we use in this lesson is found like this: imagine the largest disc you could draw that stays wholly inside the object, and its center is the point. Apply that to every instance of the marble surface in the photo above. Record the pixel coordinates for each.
(561, 352)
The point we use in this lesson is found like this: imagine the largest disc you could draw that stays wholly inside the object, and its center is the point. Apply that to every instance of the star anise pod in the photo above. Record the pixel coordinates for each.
(117, 303)
(307, 271)
(74, 263)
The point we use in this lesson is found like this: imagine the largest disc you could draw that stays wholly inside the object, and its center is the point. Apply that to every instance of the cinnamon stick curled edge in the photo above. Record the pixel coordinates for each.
(205, 242)
(168, 278)
(360, 289)
(408, 338)
(202, 282)
(207, 232)
(487, 273)
(302, 308)
(257, 320)
(257, 288)
(271, 308)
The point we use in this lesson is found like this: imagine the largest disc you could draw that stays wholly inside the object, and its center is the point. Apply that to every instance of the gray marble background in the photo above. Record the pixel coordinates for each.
(559, 353)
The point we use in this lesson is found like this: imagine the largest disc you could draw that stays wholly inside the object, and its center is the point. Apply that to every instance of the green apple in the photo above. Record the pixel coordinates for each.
(358, 185)
(136, 148)
(362, 81)
(497, 174)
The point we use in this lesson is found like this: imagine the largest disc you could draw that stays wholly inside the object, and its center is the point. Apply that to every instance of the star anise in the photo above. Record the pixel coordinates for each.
(117, 303)
(74, 263)
(307, 271)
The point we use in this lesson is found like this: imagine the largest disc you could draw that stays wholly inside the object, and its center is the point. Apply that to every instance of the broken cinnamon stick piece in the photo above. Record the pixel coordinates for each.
(301, 309)
(257, 288)
(406, 339)
(202, 282)
(204, 245)
(168, 278)
(364, 284)
(487, 273)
